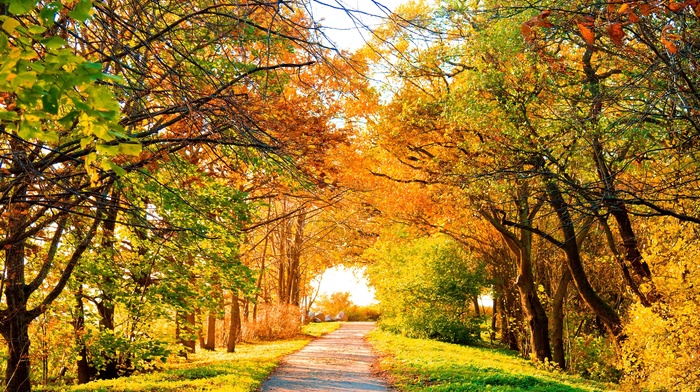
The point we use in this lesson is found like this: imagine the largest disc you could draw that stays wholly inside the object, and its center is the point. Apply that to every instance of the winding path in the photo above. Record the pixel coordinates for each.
(338, 361)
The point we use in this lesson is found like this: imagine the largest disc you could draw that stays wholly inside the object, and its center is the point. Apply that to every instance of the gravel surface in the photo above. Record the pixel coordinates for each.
(338, 361)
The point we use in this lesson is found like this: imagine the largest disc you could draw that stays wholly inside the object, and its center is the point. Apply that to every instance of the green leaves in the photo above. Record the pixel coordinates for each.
(81, 11)
(57, 90)
(9, 24)
(21, 7)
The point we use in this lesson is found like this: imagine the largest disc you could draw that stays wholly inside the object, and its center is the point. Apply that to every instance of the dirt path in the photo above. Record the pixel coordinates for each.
(338, 361)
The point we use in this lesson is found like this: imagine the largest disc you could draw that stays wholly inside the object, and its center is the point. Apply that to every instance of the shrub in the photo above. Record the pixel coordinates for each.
(277, 321)
(433, 324)
(594, 358)
(425, 287)
(335, 303)
(363, 313)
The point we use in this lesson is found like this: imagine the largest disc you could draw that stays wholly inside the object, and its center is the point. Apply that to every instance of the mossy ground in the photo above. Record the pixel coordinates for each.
(426, 365)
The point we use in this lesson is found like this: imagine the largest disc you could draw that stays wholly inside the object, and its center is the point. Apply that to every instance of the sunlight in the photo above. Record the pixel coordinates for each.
(352, 280)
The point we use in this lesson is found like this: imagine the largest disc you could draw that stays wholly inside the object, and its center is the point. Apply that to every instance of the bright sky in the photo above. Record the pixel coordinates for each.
(347, 30)
(342, 279)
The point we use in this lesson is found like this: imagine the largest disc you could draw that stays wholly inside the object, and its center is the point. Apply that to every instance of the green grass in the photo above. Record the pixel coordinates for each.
(243, 370)
(425, 365)
(318, 329)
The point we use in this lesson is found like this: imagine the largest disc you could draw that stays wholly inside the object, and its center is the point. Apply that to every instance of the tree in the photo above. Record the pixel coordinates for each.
(89, 94)
(425, 287)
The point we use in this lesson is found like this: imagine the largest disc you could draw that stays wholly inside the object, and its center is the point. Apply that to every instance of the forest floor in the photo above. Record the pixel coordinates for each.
(338, 361)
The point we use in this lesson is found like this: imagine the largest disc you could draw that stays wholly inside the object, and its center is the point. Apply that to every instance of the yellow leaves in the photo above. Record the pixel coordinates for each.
(9, 24)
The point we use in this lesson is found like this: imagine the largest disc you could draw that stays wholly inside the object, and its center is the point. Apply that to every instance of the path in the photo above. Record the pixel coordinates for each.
(338, 361)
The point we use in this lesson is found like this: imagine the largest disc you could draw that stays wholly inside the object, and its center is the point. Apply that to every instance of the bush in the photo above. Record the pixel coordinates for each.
(425, 287)
(432, 324)
(273, 322)
(335, 303)
(363, 313)
(594, 358)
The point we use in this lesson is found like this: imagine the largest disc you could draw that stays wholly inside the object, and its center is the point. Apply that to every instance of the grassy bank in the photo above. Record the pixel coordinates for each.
(425, 365)
(243, 370)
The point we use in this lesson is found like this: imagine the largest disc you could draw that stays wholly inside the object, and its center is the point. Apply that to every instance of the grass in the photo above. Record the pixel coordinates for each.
(243, 370)
(425, 365)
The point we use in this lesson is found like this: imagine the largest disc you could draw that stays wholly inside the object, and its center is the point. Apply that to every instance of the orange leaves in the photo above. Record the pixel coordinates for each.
(536, 21)
(586, 29)
(666, 38)
(616, 33)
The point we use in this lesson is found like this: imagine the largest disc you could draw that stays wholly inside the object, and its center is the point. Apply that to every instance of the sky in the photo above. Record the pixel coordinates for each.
(342, 279)
(344, 29)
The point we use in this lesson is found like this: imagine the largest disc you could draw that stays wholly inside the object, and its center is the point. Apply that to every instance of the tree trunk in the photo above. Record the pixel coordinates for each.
(211, 332)
(602, 309)
(16, 334)
(235, 325)
(494, 320)
(185, 326)
(85, 370)
(15, 323)
(475, 302)
(509, 321)
(557, 332)
(105, 309)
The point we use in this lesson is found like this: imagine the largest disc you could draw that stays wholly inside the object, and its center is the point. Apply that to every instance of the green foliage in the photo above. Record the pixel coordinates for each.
(241, 371)
(425, 286)
(417, 365)
(138, 353)
(60, 97)
(594, 358)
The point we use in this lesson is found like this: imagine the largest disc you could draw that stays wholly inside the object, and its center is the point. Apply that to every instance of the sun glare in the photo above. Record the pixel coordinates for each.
(343, 279)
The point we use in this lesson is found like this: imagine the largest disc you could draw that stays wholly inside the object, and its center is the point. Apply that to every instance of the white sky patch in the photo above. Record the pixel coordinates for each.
(350, 30)
(341, 279)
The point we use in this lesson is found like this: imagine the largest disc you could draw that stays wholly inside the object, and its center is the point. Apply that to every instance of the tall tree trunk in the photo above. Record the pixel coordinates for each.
(105, 307)
(494, 319)
(475, 302)
(619, 212)
(602, 309)
(184, 331)
(211, 332)
(557, 319)
(522, 249)
(235, 325)
(86, 371)
(16, 320)
(16, 334)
